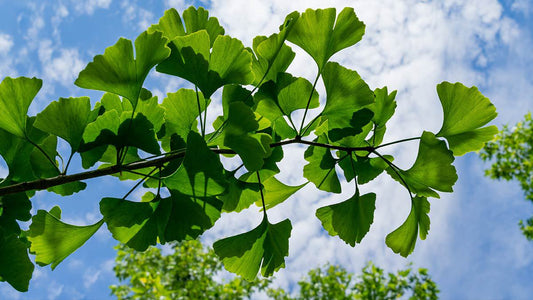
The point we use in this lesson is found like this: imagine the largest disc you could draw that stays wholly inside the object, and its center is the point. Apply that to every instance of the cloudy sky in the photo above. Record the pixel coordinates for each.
(474, 249)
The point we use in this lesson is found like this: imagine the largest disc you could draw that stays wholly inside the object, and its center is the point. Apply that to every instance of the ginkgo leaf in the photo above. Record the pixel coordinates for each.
(239, 136)
(383, 109)
(120, 131)
(465, 111)
(117, 71)
(16, 95)
(15, 265)
(346, 93)
(68, 189)
(190, 217)
(366, 168)
(236, 187)
(272, 56)
(136, 224)
(66, 118)
(228, 62)
(350, 219)
(432, 170)
(197, 19)
(181, 111)
(200, 174)
(17, 153)
(53, 240)
(170, 25)
(320, 35)
(403, 239)
(14, 207)
(264, 247)
(321, 167)
(274, 192)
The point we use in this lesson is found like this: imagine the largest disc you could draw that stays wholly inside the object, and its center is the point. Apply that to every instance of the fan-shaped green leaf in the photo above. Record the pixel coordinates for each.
(239, 136)
(190, 217)
(201, 173)
(136, 224)
(344, 89)
(169, 24)
(227, 63)
(432, 170)
(14, 207)
(181, 111)
(197, 19)
(66, 118)
(383, 109)
(350, 219)
(403, 239)
(117, 71)
(321, 167)
(264, 247)
(465, 111)
(68, 189)
(15, 265)
(320, 35)
(366, 168)
(52, 240)
(16, 95)
(272, 56)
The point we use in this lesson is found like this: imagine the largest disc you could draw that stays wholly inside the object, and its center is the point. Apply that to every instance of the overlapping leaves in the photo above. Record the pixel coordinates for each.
(255, 124)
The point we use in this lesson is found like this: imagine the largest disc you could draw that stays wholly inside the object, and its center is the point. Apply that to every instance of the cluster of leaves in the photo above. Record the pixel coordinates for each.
(189, 272)
(168, 146)
(512, 156)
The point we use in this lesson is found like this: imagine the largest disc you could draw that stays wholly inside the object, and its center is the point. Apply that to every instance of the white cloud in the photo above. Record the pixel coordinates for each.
(54, 290)
(136, 15)
(6, 43)
(90, 276)
(59, 66)
(89, 6)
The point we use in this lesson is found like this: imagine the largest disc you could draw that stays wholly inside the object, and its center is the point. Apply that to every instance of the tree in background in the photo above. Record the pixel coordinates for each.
(512, 153)
(191, 272)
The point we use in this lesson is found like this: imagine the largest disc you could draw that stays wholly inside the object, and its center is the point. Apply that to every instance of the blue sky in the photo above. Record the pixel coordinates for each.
(474, 249)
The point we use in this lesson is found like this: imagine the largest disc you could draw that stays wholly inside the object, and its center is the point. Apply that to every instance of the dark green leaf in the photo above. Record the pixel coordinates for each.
(465, 111)
(367, 169)
(239, 136)
(321, 167)
(383, 109)
(403, 239)
(264, 247)
(52, 240)
(15, 265)
(201, 173)
(14, 207)
(351, 219)
(68, 189)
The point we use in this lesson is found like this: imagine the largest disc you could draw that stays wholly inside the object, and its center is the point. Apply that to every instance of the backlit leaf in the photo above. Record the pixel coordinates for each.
(200, 174)
(403, 239)
(321, 167)
(66, 118)
(117, 71)
(264, 247)
(350, 219)
(432, 170)
(16, 95)
(53, 240)
(181, 111)
(320, 35)
(465, 111)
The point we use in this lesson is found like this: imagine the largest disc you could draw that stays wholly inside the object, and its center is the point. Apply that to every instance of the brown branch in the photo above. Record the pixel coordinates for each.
(44, 183)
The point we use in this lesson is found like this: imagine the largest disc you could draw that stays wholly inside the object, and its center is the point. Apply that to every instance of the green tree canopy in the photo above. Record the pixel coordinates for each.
(190, 271)
(511, 154)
